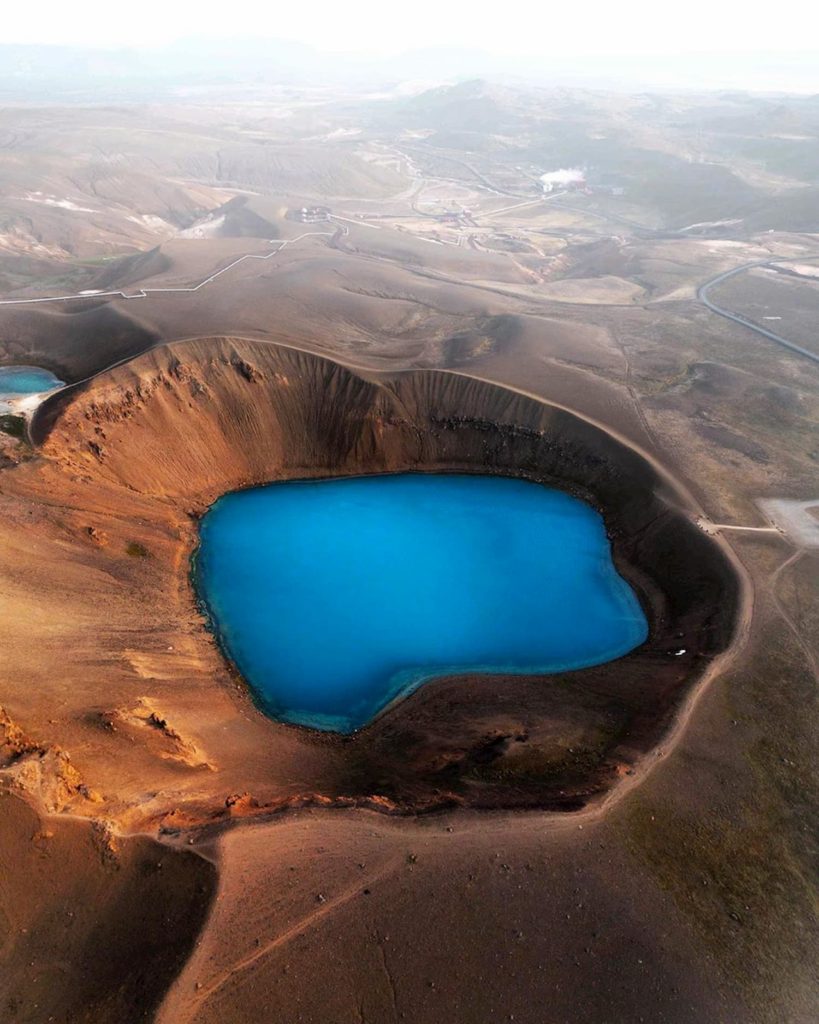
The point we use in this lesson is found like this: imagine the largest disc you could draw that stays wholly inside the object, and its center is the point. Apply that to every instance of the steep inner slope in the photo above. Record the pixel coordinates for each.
(147, 708)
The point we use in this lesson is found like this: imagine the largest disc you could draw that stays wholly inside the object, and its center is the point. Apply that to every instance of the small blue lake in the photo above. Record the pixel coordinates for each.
(16, 381)
(334, 597)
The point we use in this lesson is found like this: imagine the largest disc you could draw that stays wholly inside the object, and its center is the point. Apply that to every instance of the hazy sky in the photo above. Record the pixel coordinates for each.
(387, 26)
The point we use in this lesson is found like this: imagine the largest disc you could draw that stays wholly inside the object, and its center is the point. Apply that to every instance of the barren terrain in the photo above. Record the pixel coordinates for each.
(622, 843)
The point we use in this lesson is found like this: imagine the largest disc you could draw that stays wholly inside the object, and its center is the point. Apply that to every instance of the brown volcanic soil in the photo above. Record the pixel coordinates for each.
(146, 727)
(464, 919)
(157, 732)
(705, 869)
(137, 456)
(94, 926)
(705, 872)
(692, 898)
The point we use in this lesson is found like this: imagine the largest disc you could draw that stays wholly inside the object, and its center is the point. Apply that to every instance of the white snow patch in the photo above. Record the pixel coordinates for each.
(25, 405)
(804, 270)
(715, 244)
(150, 220)
(63, 204)
(341, 133)
(712, 224)
(204, 229)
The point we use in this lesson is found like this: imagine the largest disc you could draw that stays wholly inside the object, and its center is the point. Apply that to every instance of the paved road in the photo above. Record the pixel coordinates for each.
(704, 289)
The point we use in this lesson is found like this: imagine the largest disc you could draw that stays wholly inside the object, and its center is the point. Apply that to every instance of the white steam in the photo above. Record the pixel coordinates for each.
(560, 179)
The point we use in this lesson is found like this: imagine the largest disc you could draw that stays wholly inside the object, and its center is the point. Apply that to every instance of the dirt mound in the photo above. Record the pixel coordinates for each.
(244, 217)
(255, 217)
(72, 339)
(122, 273)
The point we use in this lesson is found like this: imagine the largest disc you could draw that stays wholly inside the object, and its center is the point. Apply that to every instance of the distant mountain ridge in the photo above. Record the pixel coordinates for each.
(201, 61)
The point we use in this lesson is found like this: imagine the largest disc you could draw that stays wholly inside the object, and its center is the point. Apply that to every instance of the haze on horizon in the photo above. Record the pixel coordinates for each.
(753, 48)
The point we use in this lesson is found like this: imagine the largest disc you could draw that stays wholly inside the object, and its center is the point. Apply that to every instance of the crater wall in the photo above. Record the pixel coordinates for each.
(146, 447)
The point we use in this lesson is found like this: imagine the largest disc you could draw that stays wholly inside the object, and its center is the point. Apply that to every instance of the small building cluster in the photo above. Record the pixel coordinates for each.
(457, 218)
(314, 214)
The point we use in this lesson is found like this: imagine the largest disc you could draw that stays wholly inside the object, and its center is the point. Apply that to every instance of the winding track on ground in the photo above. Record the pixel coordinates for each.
(144, 293)
(773, 584)
(704, 289)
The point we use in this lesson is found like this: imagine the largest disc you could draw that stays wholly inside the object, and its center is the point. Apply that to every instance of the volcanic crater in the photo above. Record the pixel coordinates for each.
(160, 726)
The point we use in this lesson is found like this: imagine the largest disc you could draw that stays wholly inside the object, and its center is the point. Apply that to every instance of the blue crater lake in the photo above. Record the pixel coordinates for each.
(334, 597)
(19, 381)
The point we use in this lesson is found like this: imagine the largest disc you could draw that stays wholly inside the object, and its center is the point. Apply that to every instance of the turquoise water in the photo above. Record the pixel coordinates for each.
(26, 380)
(335, 596)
